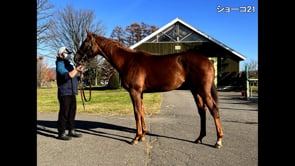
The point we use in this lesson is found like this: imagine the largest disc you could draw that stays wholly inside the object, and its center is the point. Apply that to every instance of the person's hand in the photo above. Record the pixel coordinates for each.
(80, 68)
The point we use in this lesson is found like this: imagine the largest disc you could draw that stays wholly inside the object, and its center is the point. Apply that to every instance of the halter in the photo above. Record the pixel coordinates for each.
(84, 56)
(90, 47)
(83, 97)
(81, 61)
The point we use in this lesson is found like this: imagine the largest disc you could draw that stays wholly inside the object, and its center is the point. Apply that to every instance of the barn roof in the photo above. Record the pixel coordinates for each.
(195, 35)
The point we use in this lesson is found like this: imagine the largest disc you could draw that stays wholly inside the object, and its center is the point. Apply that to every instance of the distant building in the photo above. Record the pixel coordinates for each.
(179, 36)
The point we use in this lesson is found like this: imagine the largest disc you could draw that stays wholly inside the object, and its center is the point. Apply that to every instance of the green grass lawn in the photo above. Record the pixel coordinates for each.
(102, 101)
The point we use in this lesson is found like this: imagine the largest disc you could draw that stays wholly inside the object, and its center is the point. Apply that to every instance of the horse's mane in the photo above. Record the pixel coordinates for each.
(111, 44)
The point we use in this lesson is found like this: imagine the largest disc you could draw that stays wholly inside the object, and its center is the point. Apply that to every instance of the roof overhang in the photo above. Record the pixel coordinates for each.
(195, 30)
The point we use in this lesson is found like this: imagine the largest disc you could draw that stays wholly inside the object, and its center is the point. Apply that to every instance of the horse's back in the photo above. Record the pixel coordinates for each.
(197, 63)
(192, 64)
(199, 71)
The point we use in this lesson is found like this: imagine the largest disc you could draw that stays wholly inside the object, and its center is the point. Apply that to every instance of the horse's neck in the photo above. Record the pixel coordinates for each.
(116, 55)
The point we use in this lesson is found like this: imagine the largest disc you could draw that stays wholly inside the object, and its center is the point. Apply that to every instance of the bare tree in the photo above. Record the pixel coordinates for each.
(106, 72)
(39, 70)
(252, 65)
(137, 32)
(44, 73)
(133, 33)
(68, 28)
(43, 14)
(119, 34)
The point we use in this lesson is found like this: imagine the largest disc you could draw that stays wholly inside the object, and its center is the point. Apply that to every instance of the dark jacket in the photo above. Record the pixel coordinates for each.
(66, 85)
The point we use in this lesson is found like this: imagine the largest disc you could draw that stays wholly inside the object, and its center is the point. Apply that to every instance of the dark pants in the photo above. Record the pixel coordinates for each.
(67, 113)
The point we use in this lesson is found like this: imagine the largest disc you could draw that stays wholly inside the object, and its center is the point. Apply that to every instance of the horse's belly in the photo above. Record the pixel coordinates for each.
(166, 82)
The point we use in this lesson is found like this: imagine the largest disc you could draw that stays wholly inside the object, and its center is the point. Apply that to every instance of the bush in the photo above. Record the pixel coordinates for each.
(114, 82)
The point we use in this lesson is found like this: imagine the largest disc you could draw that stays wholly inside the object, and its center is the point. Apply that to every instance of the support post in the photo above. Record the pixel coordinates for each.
(247, 82)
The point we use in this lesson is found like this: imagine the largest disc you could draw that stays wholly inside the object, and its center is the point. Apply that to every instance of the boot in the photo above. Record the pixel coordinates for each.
(63, 136)
(73, 133)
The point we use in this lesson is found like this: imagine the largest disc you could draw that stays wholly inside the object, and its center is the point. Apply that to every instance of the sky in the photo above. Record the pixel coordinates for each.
(232, 22)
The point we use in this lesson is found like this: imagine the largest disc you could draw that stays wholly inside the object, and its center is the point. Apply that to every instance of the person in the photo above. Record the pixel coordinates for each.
(67, 84)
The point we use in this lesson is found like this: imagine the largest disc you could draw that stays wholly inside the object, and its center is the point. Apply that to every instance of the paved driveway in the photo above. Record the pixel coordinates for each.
(106, 138)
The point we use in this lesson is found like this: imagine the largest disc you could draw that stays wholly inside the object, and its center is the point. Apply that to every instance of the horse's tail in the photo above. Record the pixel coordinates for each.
(214, 94)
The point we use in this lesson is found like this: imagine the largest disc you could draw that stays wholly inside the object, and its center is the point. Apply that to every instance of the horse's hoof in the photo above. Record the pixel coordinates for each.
(134, 142)
(198, 141)
(142, 139)
(218, 146)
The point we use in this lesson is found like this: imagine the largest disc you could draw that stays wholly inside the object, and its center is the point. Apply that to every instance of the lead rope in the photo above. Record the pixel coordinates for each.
(83, 97)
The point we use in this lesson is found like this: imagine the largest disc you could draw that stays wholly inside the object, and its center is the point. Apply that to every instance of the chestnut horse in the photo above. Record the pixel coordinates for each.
(142, 72)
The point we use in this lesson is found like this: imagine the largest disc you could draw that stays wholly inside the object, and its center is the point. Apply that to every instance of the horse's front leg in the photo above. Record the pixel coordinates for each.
(136, 98)
(143, 125)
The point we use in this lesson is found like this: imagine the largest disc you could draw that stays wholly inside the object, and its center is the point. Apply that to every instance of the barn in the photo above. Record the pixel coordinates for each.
(179, 36)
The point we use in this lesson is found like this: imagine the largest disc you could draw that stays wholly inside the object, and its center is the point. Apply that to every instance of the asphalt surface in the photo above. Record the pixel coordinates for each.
(170, 141)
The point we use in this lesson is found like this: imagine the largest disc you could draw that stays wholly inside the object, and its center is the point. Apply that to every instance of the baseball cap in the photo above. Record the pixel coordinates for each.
(64, 50)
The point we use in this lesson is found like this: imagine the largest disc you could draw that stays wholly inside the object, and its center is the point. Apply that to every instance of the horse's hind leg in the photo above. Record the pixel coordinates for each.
(202, 112)
(214, 111)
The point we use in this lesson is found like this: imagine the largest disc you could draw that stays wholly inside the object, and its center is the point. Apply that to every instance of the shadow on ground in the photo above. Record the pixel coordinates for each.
(48, 128)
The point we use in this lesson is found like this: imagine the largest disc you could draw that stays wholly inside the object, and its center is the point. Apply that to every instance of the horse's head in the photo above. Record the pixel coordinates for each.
(87, 50)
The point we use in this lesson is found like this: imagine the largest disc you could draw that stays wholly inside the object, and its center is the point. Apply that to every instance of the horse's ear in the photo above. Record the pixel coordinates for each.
(92, 38)
(88, 32)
